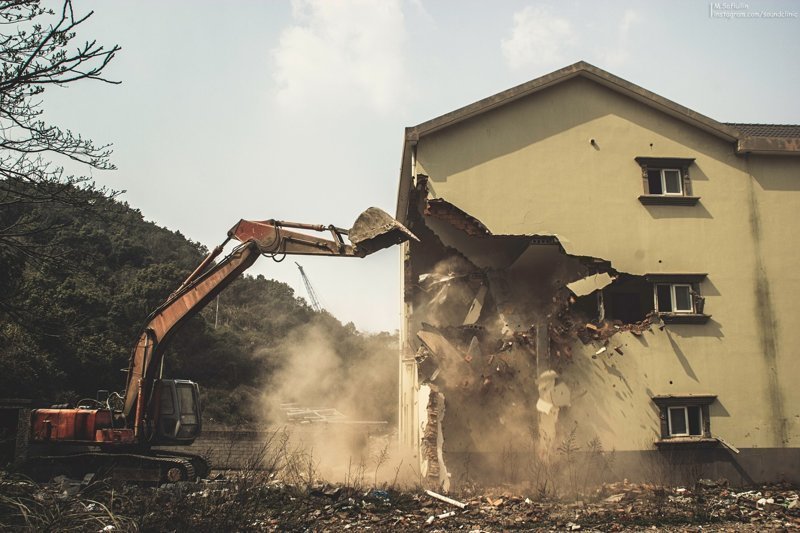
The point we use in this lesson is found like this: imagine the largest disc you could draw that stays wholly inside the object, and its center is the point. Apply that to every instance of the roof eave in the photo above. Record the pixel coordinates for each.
(406, 178)
(588, 71)
(769, 146)
(491, 102)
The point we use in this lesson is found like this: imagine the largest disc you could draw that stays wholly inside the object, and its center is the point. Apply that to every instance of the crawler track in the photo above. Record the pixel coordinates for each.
(163, 468)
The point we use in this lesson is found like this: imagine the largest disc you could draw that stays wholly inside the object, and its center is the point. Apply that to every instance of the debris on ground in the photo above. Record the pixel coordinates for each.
(253, 502)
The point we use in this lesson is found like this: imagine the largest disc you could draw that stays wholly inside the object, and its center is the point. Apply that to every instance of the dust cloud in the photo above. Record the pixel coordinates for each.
(334, 398)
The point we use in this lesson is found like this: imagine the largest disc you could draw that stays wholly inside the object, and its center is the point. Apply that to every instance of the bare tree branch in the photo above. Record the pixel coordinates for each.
(38, 50)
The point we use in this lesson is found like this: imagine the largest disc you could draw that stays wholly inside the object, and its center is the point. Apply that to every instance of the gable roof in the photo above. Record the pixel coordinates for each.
(789, 131)
(768, 138)
(755, 138)
(579, 69)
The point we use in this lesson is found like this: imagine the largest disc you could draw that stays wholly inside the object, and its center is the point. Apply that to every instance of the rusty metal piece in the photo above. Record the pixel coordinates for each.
(203, 265)
(375, 230)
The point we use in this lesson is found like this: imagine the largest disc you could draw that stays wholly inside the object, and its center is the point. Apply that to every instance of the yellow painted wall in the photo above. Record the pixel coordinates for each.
(529, 168)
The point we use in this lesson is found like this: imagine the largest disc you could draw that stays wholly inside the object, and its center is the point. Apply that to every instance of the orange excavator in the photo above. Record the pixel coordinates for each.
(127, 440)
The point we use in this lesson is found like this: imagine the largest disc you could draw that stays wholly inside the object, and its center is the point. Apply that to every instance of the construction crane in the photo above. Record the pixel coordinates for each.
(312, 295)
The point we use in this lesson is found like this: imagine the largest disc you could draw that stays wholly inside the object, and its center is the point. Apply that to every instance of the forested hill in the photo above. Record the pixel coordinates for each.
(75, 293)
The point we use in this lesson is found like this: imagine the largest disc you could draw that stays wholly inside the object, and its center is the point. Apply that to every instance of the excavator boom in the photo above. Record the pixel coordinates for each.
(372, 231)
(156, 411)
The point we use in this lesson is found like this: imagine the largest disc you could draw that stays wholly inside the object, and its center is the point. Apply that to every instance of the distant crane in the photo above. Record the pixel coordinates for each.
(312, 295)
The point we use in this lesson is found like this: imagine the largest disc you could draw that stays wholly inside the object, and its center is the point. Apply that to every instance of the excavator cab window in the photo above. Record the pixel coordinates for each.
(186, 399)
(179, 411)
(166, 402)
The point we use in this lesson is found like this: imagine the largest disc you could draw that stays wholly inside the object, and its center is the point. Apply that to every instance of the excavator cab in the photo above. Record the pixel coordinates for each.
(178, 419)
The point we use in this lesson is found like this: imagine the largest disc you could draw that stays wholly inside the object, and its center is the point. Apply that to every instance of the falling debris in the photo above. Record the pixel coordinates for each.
(561, 395)
(589, 284)
(304, 415)
(475, 309)
(433, 467)
(494, 321)
(543, 406)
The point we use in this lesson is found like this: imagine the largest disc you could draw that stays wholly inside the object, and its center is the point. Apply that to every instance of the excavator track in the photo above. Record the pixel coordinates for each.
(118, 466)
(202, 466)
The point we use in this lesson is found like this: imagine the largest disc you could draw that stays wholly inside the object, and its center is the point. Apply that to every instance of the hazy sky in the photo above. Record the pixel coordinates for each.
(295, 110)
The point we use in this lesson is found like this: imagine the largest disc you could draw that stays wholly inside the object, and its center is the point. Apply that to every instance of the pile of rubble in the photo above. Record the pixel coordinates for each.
(253, 503)
(493, 326)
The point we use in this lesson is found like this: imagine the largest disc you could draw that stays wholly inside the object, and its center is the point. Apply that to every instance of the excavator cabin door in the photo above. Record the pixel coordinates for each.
(177, 420)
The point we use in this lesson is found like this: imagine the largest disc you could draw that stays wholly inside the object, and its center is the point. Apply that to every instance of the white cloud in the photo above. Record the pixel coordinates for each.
(422, 12)
(342, 52)
(538, 38)
(628, 18)
(620, 53)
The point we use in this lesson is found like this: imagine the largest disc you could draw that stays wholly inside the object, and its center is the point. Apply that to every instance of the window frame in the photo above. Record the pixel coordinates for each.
(670, 402)
(663, 178)
(685, 408)
(697, 315)
(662, 165)
(673, 298)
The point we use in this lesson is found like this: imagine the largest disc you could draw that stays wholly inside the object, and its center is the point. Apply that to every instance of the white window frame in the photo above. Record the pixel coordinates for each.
(685, 409)
(661, 172)
(670, 404)
(673, 300)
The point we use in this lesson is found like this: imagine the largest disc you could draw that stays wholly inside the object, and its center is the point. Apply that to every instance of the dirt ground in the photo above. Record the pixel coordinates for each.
(253, 502)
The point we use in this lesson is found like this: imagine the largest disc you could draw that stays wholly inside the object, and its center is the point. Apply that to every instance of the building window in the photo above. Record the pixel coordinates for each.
(685, 419)
(666, 181)
(677, 298)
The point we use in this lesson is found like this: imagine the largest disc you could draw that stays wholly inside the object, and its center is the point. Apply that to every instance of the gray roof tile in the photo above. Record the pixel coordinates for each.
(768, 130)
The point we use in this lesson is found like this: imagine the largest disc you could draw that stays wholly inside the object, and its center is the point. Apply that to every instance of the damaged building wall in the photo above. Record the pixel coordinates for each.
(561, 163)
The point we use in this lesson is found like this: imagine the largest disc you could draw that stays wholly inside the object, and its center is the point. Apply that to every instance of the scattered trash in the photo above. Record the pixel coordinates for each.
(445, 499)
(622, 506)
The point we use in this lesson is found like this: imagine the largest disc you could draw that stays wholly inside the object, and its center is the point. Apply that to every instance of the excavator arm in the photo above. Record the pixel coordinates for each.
(373, 230)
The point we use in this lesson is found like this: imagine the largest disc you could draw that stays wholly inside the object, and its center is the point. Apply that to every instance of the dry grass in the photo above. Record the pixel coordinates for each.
(26, 506)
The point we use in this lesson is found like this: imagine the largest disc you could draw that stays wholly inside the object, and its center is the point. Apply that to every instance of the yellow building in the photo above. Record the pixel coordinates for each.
(599, 269)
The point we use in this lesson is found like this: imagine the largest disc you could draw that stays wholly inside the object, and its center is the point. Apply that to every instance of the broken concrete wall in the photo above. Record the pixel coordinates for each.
(495, 339)
(505, 185)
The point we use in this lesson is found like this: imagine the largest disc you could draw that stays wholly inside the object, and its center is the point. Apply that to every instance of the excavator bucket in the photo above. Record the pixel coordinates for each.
(375, 230)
